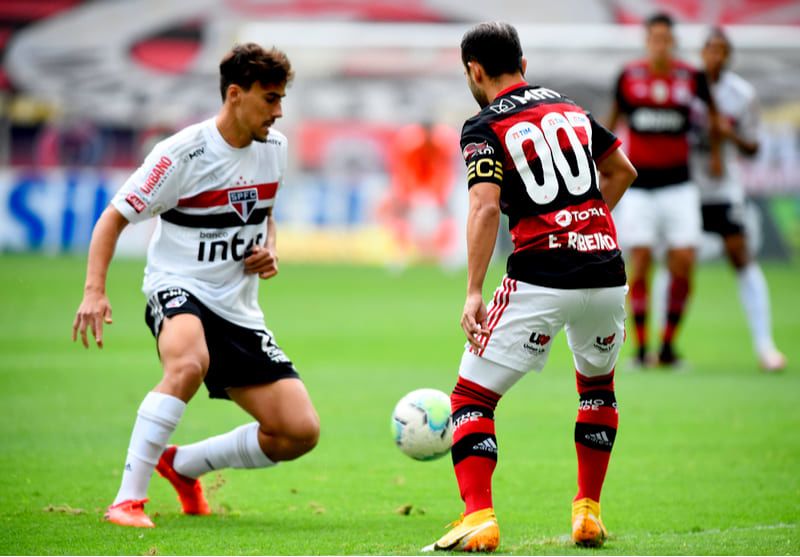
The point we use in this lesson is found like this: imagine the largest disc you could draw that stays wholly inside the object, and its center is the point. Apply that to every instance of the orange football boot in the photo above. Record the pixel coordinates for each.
(129, 513)
(587, 528)
(477, 531)
(190, 491)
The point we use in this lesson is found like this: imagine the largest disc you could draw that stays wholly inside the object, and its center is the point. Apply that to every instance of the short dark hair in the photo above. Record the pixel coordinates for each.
(495, 46)
(248, 63)
(660, 18)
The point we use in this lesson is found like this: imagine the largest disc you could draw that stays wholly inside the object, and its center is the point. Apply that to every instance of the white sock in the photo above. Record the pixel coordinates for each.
(754, 294)
(236, 449)
(659, 295)
(157, 418)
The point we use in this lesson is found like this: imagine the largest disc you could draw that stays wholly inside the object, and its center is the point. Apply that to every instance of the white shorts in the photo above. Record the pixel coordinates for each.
(667, 217)
(524, 319)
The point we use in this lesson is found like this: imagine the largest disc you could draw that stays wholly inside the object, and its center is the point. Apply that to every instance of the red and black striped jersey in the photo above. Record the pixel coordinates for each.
(541, 148)
(657, 109)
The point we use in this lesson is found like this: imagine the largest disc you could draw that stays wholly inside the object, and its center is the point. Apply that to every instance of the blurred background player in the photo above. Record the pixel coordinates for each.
(723, 197)
(531, 153)
(422, 176)
(662, 209)
(212, 187)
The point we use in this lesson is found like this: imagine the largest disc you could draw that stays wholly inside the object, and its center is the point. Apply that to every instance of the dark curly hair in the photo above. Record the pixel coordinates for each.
(248, 63)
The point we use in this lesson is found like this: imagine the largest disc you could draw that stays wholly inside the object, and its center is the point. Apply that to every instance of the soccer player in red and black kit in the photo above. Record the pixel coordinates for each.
(662, 208)
(542, 160)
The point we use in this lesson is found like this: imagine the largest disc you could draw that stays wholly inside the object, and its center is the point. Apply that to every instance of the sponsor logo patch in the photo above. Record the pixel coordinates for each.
(176, 302)
(160, 171)
(472, 149)
(136, 202)
(196, 153)
(605, 344)
(503, 106)
(536, 343)
(563, 218)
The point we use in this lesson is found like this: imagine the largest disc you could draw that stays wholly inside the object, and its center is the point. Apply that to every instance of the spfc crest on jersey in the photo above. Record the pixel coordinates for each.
(243, 202)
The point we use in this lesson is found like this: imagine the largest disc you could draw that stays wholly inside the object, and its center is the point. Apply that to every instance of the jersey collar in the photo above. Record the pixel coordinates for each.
(511, 88)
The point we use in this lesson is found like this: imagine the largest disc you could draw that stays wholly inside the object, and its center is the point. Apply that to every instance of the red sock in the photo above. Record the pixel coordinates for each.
(595, 431)
(474, 443)
(678, 294)
(639, 310)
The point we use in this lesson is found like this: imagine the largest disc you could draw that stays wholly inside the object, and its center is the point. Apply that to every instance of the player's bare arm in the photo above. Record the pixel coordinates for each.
(95, 308)
(482, 224)
(728, 132)
(616, 175)
(264, 259)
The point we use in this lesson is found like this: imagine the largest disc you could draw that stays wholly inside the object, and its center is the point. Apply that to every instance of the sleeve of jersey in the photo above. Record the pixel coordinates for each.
(749, 123)
(483, 154)
(604, 142)
(152, 189)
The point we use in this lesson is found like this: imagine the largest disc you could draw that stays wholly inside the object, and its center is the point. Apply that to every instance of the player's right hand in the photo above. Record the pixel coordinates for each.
(94, 310)
(473, 320)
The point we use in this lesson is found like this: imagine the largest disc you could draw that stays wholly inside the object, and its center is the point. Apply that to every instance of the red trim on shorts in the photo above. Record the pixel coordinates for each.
(509, 286)
(217, 198)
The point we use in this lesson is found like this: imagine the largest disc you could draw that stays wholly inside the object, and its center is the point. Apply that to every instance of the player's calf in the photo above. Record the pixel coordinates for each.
(293, 442)
(595, 432)
(474, 449)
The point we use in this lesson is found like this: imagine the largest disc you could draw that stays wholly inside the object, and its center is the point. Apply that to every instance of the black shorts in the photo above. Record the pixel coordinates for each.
(725, 219)
(239, 357)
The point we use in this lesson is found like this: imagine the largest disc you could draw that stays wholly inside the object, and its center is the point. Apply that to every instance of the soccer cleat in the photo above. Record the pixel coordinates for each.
(587, 528)
(190, 491)
(772, 361)
(668, 358)
(478, 531)
(129, 513)
(640, 360)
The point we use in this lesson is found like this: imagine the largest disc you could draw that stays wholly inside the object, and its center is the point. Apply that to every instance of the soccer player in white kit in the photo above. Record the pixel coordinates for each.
(723, 197)
(212, 187)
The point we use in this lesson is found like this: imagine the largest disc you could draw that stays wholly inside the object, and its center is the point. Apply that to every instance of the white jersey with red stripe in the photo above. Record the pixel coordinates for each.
(212, 202)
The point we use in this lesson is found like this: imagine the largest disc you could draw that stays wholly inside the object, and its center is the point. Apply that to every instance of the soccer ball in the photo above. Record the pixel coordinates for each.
(422, 425)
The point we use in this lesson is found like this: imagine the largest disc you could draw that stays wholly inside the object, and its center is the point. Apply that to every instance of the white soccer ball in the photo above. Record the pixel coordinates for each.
(422, 425)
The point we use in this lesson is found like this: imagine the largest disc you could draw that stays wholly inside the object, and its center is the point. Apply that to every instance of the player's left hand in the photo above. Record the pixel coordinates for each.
(263, 261)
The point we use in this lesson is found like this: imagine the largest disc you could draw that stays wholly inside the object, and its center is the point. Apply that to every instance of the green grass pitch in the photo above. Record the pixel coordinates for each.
(707, 460)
